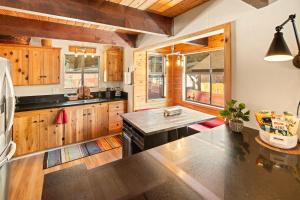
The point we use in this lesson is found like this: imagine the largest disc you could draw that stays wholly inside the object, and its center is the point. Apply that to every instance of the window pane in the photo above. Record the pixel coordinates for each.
(72, 80)
(155, 63)
(91, 79)
(155, 76)
(217, 59)
(197, 62)
(91, 64)
(155, 86)
(74, 64)
(73, 71)
(198, 87)
(217, 89)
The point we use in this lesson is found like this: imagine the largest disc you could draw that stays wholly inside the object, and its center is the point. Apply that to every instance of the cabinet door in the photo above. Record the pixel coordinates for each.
(51, 134)
(74, 128)
(35, 66)
(36, 63)
(18, 58)
(114, 65)
(51, 67)
(102, 119)
(26, 133)
(90, 122)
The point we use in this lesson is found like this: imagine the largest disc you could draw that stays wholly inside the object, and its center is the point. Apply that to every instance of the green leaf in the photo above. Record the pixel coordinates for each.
(224, 113)
(242, 106)
(247, 113)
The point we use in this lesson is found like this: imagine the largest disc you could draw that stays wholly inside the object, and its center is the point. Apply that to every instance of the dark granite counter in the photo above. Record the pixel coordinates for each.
(57, 101)
(39, 106)
(216, 164)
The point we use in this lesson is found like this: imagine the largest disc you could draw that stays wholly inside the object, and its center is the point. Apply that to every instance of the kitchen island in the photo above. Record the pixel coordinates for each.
(151, 128)
(216, 164)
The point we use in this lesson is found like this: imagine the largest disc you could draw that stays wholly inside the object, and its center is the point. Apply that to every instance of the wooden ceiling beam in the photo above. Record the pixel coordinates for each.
(259, 3)
(99, 12)
(17, 26)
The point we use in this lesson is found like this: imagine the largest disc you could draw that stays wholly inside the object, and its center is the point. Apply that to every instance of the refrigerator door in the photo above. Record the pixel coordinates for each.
(7, 109)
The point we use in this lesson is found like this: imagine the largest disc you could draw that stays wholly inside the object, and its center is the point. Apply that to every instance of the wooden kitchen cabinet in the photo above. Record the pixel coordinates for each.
(19, 63)
(32, 65)
(36, 67)
(116, 109)
(51, 66)
(90, 122)
(26, 133)
(113, 64)
(37, 130)
(74, 127)
(102, 120)
(51, 134)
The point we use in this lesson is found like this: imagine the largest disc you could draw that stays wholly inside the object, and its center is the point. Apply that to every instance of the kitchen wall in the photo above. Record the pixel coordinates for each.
(260, 84)
(59, 89)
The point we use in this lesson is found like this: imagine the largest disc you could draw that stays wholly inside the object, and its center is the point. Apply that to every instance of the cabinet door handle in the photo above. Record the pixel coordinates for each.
(42, 121)
(34, 121)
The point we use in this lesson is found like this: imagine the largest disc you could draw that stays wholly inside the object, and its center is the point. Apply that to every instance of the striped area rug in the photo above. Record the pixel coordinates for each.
(74, 152)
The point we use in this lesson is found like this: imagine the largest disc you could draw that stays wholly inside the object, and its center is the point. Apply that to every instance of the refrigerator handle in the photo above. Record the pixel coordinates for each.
(12, 101)
(12, 151)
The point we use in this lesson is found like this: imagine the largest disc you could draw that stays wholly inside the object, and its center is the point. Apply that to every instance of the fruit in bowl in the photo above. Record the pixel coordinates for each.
(278, 130)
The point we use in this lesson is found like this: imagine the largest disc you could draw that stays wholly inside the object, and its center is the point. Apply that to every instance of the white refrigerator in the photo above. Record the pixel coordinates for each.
(7, 109)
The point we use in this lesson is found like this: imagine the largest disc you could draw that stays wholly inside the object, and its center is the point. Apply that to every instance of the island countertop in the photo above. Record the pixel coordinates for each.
(216, 164)
(153, 121)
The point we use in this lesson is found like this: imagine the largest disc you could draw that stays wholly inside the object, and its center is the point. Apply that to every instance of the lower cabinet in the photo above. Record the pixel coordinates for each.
(51, 134)
(86, 122)
(34, 131)
(37, 130)
(116, 109)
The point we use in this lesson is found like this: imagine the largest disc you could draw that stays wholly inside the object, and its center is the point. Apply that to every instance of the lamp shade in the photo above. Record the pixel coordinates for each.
(278, 51)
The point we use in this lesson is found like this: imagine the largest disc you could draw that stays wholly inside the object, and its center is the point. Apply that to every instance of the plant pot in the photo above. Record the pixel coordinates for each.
(236, 126)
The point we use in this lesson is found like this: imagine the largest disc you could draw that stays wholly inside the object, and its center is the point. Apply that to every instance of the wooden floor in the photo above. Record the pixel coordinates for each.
(27, 174)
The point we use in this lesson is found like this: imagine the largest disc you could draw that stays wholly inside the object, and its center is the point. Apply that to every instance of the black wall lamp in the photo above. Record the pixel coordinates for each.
(279, 51)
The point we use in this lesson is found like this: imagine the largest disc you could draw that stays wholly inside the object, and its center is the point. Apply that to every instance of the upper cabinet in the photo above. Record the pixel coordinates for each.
(32, 65)
(113, 64)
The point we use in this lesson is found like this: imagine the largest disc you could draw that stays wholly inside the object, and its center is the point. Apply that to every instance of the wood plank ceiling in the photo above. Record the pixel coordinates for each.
(168, 8)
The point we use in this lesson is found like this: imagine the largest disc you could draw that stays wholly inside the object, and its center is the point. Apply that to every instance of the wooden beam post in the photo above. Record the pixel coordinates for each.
(117, 15)
(16, 26)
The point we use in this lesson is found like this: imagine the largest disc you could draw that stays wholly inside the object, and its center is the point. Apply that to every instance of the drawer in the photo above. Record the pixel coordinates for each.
(115, 127)
(115, 116)
(116, 106)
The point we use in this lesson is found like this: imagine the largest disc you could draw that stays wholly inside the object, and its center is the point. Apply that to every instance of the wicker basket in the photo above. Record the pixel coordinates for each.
(46, 42)
(236, 126)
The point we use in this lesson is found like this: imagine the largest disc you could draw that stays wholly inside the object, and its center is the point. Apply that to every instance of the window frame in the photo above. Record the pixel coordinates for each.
(163, 75)
(210, 71)
(82, 73)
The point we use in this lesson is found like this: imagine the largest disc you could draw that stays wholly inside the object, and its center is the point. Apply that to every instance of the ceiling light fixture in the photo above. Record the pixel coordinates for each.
(279, 51)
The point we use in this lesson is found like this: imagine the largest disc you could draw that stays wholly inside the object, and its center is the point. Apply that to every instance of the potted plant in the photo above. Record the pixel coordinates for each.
(235, 113)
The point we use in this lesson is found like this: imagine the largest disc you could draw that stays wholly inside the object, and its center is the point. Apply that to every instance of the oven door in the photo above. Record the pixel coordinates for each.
(126, 150)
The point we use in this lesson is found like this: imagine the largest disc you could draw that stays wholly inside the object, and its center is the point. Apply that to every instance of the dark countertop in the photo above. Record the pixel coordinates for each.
(39, 106)
(215, 164)
(153, 121)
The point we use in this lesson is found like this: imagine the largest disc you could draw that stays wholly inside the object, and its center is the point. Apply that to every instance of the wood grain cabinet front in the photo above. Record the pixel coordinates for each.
(37, 130)
(32, 65)
(113, 64)
(116, 109)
